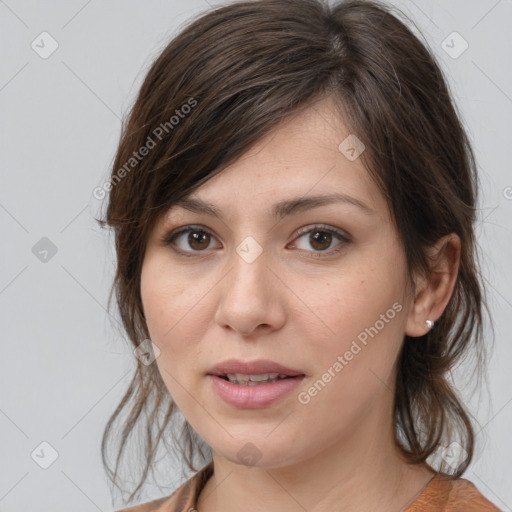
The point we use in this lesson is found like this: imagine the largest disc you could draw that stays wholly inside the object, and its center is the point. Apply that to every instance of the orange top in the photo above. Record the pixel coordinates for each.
(439, 495)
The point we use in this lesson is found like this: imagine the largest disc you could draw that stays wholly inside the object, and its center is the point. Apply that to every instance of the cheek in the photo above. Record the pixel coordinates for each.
(166, 299)
(176, 319)
(353, 364)
(359, 315)
(164, 304)
(354, 301)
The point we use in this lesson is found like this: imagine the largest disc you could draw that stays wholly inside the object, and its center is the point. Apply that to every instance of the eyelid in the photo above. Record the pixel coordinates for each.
(323, 227)
(342, 236)
(170, 237)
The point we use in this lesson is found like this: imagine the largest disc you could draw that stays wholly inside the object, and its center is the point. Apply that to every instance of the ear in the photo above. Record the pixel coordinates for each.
(433, 292)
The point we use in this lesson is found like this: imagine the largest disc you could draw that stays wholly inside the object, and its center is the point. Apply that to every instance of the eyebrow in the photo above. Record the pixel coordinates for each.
(281, 209)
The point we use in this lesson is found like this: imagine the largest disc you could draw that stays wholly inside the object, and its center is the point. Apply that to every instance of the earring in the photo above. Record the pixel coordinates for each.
(429, 323)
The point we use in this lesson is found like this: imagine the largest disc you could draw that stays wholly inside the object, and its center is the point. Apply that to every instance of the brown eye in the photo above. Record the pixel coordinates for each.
(320, 239)
(198, 240)
(189, 240)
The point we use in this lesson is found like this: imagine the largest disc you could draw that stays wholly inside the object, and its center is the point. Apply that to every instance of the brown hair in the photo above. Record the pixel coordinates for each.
(241, 69)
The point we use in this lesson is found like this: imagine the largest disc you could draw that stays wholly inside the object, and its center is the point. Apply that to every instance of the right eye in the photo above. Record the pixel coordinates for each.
(198, 238)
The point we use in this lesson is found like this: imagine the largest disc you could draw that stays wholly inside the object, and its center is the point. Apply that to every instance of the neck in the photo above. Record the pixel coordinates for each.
(362, 471)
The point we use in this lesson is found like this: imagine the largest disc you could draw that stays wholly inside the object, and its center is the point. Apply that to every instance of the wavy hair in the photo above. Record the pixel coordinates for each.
(226, 79)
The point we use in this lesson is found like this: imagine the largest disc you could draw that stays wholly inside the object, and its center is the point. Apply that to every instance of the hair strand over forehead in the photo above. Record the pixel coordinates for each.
(220, 85)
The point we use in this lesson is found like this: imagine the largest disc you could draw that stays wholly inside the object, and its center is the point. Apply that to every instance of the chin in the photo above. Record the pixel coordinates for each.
(251, 453)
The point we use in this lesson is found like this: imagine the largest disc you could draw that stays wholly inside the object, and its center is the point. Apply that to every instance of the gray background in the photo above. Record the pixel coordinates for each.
(64, 363)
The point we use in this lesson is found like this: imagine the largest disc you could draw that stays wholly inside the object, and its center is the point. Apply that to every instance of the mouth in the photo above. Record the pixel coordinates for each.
(253, 385)
(255, 379)
(254, 390)
(253, 373)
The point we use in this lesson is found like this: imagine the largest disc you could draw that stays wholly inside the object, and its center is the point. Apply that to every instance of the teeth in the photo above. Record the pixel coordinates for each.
(254, 380)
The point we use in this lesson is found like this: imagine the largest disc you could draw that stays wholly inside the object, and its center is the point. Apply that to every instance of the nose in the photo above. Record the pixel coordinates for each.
(251, 297)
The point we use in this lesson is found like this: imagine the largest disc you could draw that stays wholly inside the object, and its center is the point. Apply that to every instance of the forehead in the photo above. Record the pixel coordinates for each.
(307, 155)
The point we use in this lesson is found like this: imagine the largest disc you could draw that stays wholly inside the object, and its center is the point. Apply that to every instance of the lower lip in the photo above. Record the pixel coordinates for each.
(253, 397)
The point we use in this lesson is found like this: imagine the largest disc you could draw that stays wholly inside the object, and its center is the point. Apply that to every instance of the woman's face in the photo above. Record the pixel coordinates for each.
(320, 290)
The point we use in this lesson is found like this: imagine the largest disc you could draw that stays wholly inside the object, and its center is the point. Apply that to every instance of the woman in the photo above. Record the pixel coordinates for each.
(293, 199)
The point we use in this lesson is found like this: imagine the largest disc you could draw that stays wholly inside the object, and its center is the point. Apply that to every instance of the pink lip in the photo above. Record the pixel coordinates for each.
(253, 397)
(252, 368)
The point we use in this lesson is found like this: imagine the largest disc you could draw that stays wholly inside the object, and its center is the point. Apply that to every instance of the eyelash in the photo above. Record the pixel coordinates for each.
(171, 237)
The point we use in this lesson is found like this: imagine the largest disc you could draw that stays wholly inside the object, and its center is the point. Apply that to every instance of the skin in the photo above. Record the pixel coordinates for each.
(337, 451)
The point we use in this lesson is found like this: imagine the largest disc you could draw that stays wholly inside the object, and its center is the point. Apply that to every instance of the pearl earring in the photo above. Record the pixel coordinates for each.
(429, 323)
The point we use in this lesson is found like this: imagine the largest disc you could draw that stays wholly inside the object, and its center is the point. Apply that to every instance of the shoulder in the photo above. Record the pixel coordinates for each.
(182, 499)
(168, 503)
(454, 495)
(152, 506)
(464, 496)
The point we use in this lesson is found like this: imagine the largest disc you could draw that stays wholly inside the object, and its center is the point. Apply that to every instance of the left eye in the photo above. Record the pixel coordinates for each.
(198, 238)
(321, 239)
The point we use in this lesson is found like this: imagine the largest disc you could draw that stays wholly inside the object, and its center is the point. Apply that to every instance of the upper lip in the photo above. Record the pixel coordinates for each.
(259, 366)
